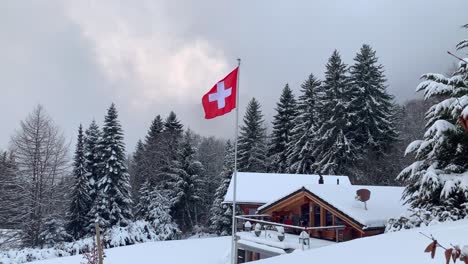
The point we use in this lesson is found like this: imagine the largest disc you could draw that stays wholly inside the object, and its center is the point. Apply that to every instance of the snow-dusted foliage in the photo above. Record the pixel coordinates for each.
(437, 181)
(221, 213)
(136, 232)
(80, 202)
(113, 202)
(154, 209)
(252, 148)
(281, 137)
(54, 232)
(336, 147)
(300, 156)
(374, 124)
(186, 184)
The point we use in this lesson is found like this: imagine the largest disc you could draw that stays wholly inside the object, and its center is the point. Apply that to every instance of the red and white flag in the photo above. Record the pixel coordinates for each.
(221, 99)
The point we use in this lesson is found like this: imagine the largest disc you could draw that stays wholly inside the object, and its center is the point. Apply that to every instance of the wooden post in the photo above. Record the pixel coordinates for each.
(98, 241)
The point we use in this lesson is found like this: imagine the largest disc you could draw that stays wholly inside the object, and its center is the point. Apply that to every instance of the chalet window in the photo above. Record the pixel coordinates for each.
(252, 211)
(328, 219)
(305, 213)
(338, 221)
(316, 215)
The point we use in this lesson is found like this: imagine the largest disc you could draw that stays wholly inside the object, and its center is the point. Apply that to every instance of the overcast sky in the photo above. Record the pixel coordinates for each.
(150, 57)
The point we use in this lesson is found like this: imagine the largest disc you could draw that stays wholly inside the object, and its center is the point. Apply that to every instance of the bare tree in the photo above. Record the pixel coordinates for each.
(42, 162)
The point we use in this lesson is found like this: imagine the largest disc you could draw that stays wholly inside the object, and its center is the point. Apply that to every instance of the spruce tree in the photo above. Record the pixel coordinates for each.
(436, 181)
(172, 135)
(375, 123)
(92, 158)
(187, 185)
(283, 124)
(252, 147)
(80, 203)
(137, 170)
(301, 150)
(154, 208)
(221, 213)
(155, 156)
(113, 202)
(335, 148)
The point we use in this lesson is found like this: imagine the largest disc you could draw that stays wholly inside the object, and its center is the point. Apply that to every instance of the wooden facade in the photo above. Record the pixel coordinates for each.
(303, 208)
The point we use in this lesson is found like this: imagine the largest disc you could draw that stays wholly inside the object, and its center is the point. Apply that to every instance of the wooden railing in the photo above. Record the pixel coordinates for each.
(336, 228)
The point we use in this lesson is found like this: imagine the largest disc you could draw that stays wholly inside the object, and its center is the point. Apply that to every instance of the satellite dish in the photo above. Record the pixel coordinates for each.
(363, 195)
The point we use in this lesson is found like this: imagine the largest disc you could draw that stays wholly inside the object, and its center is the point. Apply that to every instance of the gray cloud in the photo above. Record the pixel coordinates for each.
(150, 57)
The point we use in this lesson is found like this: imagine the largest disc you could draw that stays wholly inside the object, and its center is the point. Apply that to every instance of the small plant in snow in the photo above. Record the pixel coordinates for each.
(92, 256)
(452, 253)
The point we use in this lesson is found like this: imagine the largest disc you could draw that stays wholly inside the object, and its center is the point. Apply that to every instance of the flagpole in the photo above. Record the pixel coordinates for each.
(233, 246)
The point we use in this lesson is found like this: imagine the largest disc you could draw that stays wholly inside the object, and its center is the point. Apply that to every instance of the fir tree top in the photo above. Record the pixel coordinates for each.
(156, 128)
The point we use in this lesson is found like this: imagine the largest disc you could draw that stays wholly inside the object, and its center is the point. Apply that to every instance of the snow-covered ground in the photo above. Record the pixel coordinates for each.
(194, 251)
(398, 247)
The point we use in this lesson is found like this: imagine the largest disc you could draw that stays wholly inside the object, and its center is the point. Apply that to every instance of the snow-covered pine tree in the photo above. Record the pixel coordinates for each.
(252, 148)
(437, 179)
(301, 149)
(92, 159)
(187, 185)
(54, 232)
(336, 149)
(155, 150)
(172, 135)
(10, 189)
(375, 123)
(113, 202)
(80, 202)
(220, 213)
(137, 169)
(283, 124)
(154, 208)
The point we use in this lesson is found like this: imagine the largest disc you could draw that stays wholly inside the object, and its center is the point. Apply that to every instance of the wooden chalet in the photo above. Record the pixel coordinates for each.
(257, 189)
(332, 213)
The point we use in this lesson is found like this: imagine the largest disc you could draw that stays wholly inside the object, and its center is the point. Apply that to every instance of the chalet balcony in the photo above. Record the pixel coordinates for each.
(259, 238)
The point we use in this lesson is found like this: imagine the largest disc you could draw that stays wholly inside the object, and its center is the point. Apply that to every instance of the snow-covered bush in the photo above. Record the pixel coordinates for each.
(54, 233)
(136, 232)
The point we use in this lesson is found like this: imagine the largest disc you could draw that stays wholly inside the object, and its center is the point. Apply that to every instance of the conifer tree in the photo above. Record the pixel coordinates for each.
(375, 123)
(156, 150)
(252, 147)
(301, 150)
(186, 185)
(172, 135)
(80, 200)
(436, 181)
(283, 124)
(92, 158)
(113, 202)
(221, 213)
(335, 148)
(154, 208)
(137, 170)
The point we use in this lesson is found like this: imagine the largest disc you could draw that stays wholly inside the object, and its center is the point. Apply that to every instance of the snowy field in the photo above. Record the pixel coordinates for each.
(398, 247)
(194, 251)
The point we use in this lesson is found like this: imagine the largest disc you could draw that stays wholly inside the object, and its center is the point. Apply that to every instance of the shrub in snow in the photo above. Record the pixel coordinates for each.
(421, 217)
(54, 233)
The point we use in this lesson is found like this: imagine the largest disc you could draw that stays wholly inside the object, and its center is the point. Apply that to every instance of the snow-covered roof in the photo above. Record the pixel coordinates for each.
(261, 188)
(384, 203)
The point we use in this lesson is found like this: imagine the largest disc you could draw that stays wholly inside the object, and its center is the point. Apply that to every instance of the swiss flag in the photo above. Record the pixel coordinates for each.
(221, 99)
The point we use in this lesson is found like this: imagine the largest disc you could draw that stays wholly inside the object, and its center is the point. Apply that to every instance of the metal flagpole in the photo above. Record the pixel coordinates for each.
(233, 246)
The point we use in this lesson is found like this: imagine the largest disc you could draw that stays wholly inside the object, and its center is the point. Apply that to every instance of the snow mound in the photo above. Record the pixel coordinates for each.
(397, 247)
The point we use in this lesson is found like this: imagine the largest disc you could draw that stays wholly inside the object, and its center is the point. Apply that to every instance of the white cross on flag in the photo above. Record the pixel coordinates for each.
(221, 99)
